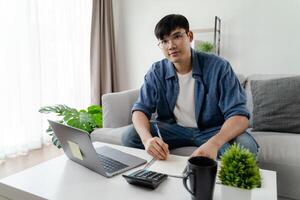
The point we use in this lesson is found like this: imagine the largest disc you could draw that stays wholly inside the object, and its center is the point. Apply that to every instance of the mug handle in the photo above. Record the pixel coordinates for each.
(185, 184)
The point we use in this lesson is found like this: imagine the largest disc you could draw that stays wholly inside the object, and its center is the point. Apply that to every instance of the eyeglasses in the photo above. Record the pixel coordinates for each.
(175, 38)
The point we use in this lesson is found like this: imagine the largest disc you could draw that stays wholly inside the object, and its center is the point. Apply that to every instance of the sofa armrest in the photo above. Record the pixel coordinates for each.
(117, 108)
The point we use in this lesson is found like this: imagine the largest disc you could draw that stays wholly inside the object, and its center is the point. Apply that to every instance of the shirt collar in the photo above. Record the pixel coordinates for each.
(196, 66)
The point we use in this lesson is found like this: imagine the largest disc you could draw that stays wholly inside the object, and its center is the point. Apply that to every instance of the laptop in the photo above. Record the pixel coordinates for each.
(104, 160)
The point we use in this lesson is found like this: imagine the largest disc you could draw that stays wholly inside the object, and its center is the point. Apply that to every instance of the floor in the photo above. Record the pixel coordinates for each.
(13, 165)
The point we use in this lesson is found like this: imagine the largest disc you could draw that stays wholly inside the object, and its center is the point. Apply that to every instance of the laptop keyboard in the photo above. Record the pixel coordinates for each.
(111, 165)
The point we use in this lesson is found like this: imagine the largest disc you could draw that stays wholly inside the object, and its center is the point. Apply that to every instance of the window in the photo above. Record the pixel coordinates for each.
(44, 60)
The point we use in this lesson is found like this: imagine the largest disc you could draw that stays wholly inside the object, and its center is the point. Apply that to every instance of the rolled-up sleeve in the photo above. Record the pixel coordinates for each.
(232, 96)
(146, 102)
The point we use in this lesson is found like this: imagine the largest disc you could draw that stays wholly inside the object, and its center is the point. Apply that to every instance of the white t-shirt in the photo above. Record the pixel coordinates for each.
(184, 110)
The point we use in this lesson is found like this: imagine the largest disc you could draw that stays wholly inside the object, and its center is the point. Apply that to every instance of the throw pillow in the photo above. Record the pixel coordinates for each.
(276, 104)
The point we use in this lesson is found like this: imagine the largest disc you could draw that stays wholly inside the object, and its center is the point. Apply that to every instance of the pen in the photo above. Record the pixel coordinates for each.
(150, 163)
(153, 159)
(158, 132)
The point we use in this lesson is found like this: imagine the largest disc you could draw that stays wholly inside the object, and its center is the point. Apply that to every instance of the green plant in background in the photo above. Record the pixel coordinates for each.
(86, 120)
(239, 168)
(205, 47)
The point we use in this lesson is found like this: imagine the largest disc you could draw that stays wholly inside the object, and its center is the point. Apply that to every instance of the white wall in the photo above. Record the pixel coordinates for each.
(257, 36)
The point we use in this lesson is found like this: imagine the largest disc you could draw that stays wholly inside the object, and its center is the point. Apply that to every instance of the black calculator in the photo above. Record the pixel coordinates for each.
(145, 178)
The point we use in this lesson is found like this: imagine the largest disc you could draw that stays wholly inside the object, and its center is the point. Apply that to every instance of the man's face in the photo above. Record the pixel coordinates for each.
(176, 46)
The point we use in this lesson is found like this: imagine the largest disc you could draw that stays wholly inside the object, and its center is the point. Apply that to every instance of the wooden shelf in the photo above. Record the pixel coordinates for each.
(203, 30)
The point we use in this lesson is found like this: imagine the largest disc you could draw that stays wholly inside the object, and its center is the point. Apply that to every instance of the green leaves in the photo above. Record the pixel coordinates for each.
(239, 168)
(205, 46)
(96, 114)
(86, 120)
(58, 109)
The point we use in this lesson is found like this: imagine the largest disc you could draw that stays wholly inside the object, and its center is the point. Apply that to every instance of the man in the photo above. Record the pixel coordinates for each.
(197, 97)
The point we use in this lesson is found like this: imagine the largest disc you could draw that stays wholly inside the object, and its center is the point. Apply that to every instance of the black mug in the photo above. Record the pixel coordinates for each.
(201, 173)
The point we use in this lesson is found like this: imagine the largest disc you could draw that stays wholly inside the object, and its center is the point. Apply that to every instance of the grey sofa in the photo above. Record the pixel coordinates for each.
(278, 151)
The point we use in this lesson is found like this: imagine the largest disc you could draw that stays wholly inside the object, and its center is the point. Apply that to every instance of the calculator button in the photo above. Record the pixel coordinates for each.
(145, 178)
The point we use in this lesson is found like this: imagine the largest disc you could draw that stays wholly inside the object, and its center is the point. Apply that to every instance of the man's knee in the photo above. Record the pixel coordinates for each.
(222, 150)
(248, 142)
(130, 138)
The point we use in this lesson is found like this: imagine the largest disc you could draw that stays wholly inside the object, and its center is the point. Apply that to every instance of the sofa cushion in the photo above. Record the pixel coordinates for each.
(277, 147)
(242, 79)
(280, 152)
(108, 135)
(117, 108)
(276, 104)
(248, 88)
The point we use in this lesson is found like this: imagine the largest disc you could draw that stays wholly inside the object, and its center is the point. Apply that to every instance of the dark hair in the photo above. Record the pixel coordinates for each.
(169, 23)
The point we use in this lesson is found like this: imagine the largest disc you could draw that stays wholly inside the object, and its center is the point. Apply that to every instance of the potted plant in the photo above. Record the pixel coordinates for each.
(204, 46)
(86, 120)
(239, 168)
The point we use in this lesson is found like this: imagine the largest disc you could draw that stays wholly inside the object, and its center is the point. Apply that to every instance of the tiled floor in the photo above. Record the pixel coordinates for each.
(16, 164)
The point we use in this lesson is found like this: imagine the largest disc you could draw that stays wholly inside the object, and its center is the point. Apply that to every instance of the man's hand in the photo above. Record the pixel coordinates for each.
(157, 148)
(208, 149)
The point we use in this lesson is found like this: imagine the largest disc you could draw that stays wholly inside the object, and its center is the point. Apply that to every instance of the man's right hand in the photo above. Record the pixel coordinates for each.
(153, 145)
(157, 148)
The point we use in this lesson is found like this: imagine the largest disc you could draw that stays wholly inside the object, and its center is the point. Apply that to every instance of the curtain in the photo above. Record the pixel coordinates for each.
(44, 60)
(103, 57)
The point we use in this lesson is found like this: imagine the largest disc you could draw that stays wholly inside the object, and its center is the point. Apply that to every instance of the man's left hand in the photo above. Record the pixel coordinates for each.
(208, 149)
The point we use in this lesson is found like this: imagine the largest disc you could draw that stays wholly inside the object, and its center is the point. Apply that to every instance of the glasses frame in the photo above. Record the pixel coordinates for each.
(163, 44)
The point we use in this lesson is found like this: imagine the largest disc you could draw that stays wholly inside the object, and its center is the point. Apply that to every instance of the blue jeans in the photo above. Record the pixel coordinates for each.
(178, 136)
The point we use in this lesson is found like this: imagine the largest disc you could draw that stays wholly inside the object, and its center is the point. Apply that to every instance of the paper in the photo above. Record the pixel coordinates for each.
(75, 149)
(173, 166)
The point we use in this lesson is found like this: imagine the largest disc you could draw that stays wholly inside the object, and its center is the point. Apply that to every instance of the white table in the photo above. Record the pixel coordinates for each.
(61, 178)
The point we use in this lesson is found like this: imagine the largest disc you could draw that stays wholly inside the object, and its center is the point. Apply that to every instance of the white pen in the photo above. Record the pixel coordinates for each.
(153, 159)
(158, 132)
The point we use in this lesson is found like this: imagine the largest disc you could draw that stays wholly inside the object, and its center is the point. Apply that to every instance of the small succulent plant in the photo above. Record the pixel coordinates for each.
(239, 168)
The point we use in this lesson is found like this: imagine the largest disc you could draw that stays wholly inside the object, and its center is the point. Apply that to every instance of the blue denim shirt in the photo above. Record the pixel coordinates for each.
(218, 93)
